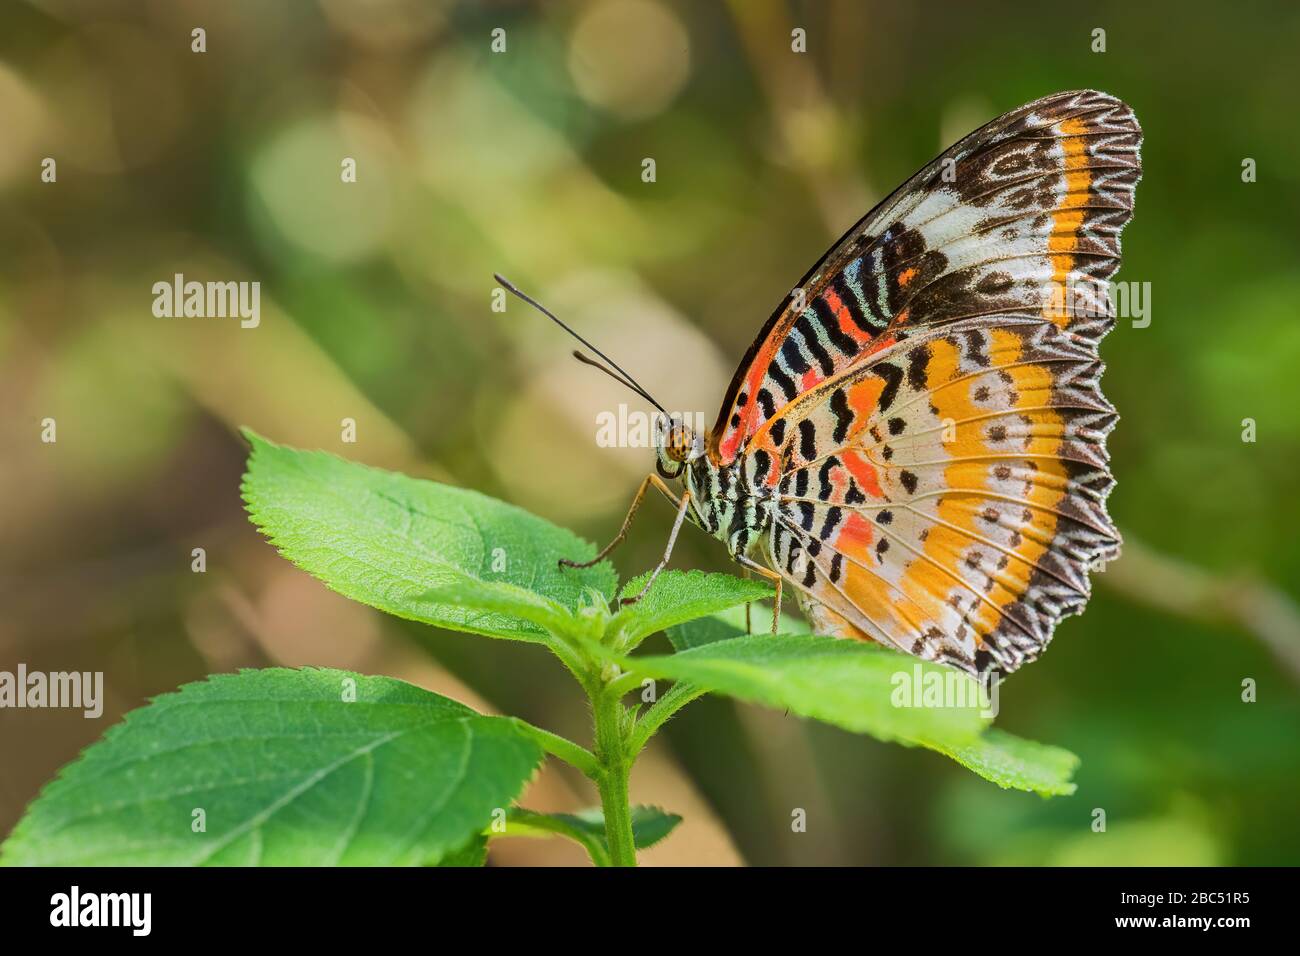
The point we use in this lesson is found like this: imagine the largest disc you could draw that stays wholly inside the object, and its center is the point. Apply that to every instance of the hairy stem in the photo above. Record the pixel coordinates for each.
(678, 696)
(542, 823)
(573, 660)
(611, 780)
(561, 747)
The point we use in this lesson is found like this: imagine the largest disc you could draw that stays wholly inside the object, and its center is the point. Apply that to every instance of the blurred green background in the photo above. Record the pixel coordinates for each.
(376, 305)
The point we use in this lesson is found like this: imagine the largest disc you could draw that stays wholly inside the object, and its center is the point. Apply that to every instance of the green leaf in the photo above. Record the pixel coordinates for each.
(387, 540)
(730, 623)
(1015, 763)
(586, 827)
(680, 596)
(649, 824)
(866, 689)
(287, 770)
(701, 631)
(846, 683)
(497, 597)
(473, 853)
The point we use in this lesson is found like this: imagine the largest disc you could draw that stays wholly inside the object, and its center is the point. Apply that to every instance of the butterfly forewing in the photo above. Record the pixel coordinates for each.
(1021, 217)
(931, 423)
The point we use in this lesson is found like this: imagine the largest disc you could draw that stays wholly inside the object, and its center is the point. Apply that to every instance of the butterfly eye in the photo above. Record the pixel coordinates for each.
(678, 446)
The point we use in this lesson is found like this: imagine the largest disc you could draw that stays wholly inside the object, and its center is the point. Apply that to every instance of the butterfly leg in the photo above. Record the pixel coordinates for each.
(672, 540)
(776, 580)
(651, 479)
(749, 627)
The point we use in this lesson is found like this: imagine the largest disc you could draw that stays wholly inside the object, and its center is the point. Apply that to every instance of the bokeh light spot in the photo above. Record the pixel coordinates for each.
(297, 177)
(629, 57)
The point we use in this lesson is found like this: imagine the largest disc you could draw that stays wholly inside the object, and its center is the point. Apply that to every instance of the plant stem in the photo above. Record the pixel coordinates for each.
(615, 765)
(678, 696)
(571, 658)
(561, 747)
(526, 820)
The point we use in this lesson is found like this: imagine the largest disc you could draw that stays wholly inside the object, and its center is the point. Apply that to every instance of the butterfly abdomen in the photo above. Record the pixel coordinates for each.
(730, 504)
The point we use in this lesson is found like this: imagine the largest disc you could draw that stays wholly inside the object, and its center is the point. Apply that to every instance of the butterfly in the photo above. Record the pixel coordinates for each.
(915, 443)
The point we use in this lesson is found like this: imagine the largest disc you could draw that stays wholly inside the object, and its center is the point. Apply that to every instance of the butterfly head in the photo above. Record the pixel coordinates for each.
(678, 445)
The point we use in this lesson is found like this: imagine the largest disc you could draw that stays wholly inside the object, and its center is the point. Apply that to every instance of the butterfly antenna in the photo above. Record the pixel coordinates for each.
(622, 376)
(588, 360)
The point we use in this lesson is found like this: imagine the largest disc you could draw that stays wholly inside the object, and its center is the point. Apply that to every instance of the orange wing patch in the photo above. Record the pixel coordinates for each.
(1067, 221)
(960, 544)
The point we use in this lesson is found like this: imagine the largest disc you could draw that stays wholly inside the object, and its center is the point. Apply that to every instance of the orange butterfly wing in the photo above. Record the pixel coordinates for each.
(1020, 217)
(941, 485)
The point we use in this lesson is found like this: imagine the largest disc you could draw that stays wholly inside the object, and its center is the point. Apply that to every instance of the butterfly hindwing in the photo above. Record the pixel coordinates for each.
(1020, 218)
(946, 496)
